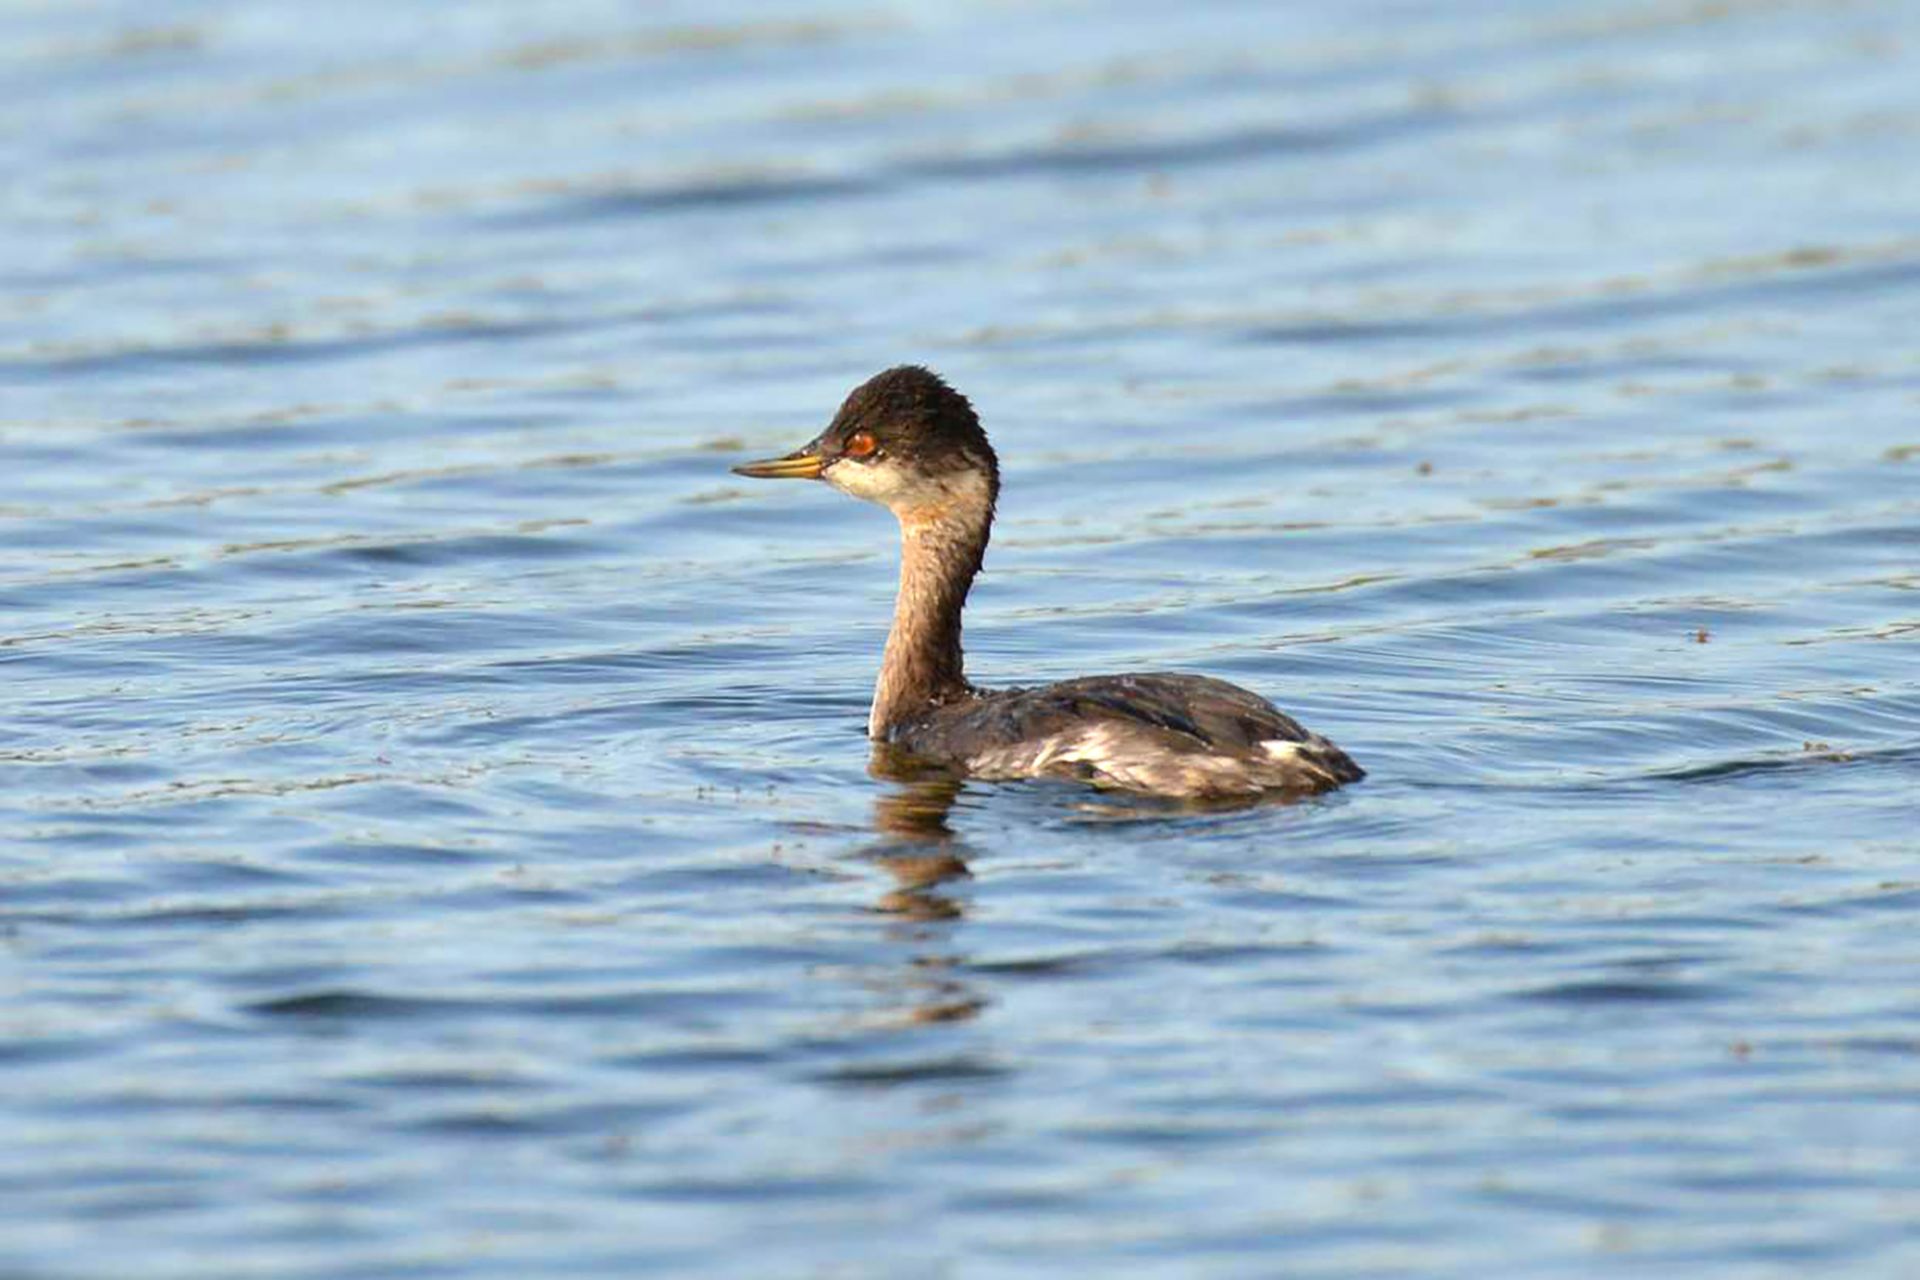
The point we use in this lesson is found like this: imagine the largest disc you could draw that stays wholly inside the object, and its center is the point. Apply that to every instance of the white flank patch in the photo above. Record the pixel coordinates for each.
(1134, 756)
(1099, 746)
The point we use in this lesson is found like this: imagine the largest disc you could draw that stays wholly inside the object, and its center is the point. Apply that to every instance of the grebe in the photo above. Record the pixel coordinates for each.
(911, 443)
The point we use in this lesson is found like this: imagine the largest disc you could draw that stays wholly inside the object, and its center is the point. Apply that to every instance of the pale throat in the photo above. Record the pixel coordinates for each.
(942, 538)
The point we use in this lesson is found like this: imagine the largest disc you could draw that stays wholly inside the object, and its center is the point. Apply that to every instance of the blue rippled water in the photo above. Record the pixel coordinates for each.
(439, 838)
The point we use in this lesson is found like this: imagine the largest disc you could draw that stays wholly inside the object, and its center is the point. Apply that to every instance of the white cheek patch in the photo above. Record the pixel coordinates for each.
(906, 492)
(883, 482)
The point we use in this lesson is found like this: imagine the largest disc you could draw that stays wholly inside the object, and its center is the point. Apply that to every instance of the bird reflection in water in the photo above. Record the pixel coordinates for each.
(921, 852)
(917, 847)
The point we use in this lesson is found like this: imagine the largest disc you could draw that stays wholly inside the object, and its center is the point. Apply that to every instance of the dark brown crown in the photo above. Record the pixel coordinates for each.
(917, 418)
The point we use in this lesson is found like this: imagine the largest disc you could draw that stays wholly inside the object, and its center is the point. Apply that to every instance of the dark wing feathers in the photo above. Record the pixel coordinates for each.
(1212, 712)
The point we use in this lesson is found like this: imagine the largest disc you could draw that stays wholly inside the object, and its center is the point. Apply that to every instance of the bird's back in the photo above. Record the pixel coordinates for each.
(1168, 734)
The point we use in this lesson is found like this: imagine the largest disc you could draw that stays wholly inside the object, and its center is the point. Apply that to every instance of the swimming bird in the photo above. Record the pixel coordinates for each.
(908, 441)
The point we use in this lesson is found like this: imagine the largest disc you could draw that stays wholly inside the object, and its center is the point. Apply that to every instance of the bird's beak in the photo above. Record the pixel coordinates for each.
(804, 463)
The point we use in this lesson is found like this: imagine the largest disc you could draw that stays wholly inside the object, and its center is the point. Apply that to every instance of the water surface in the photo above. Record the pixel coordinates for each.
(440, 838)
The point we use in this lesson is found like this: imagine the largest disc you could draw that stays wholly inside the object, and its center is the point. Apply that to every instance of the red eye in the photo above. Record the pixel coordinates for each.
(860, 444)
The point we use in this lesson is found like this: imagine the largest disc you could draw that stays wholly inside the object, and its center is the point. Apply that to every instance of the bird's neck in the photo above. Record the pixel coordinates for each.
(940, 552)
